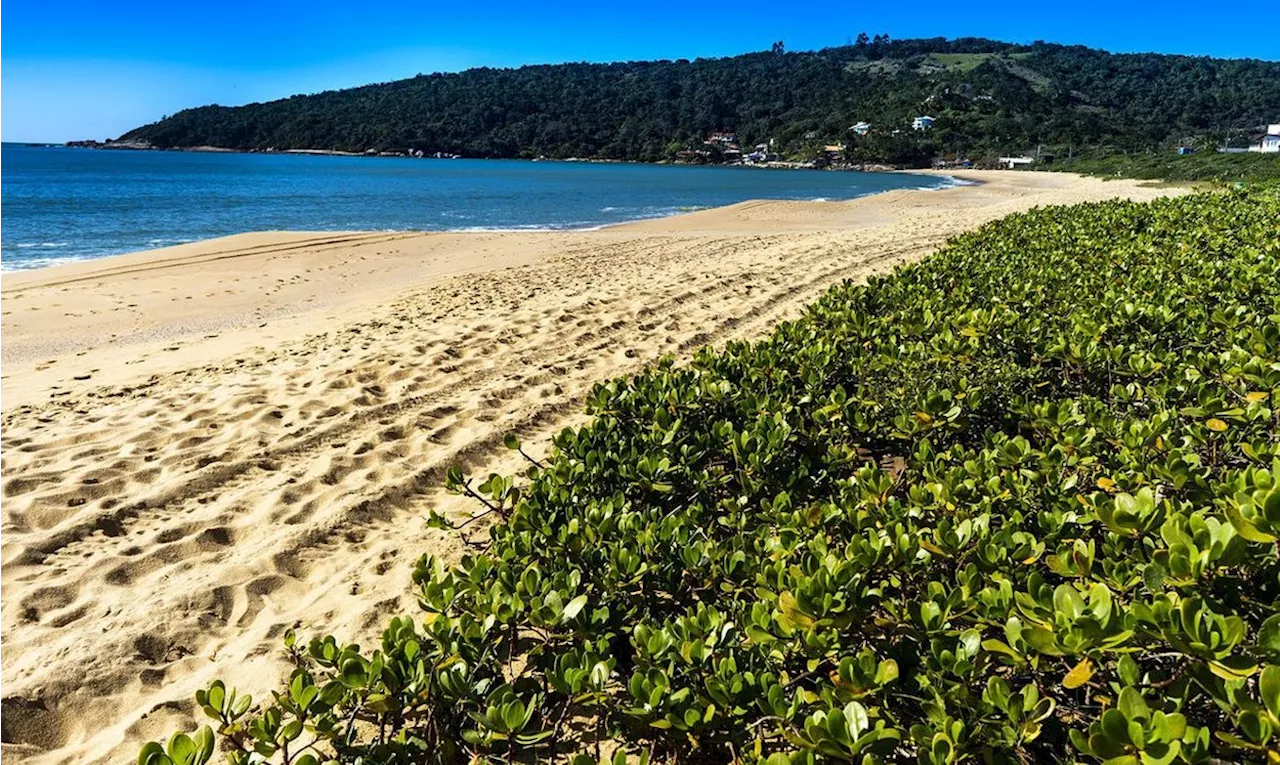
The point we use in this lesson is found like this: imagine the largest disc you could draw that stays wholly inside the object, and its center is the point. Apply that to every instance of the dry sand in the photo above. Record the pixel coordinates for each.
(207, 444)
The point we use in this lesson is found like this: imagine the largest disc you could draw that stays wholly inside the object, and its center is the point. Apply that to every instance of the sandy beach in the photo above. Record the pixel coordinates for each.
(207, 444)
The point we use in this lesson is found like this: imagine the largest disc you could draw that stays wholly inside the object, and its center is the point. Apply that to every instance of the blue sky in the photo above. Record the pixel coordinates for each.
(78, 69)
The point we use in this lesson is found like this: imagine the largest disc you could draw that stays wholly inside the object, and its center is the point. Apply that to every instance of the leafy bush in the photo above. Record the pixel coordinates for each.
(1015, 503)
(1207, 166)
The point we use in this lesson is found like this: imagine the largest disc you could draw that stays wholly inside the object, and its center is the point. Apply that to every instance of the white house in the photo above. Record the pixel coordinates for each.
(1268, 143)
(862, 128)
(922, 123)
(1012, 162)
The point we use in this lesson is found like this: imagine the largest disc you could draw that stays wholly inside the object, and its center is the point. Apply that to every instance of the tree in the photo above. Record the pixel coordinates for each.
(779, 47)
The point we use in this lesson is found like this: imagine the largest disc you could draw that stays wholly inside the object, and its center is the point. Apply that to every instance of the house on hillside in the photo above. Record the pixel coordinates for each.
(861, 128)
(1267, 143)
(725, 143)
(922, 123)
(1012, 162)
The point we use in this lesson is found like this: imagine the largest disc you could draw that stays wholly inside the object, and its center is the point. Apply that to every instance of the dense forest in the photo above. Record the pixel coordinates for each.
(987, 97)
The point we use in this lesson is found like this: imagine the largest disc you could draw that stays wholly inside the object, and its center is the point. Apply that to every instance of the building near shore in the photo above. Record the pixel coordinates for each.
(1012, 162)
(1269, 142)
(722, 138)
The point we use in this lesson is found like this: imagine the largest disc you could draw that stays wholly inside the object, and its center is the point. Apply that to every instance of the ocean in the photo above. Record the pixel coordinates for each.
(60, 204)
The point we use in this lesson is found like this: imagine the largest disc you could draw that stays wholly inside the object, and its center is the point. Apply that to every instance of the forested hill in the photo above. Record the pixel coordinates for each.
(986, 96)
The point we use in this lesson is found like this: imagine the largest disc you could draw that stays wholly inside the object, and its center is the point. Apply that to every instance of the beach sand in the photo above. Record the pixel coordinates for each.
(207, 444)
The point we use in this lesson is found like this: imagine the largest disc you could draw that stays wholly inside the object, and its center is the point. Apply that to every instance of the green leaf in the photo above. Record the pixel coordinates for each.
(291, 730)
(1128, 670)
(1269, 688)
(574, 607)
(217, 695)
(791, 613)
(1233, 667)
(886, 672)
(353, 673)
(1245, 527)
(1116, 726)
(182, 749)
(513, 715)
(856, 714)
(1169, 754)
(204, 742)
(999, 646)
(153, 754)
(1132, 705)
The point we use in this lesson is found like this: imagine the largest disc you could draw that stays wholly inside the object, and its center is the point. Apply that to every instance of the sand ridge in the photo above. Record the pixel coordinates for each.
(206, 445)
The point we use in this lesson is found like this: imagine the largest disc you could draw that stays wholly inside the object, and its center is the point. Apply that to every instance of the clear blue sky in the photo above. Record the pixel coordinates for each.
(79, 69)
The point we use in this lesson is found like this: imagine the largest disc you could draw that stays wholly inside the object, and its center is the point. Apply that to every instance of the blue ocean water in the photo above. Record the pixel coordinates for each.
(61, 204)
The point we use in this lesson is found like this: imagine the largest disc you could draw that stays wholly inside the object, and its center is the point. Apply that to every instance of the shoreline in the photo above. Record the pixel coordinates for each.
(865, 167)
(944, 176)
(208, 444)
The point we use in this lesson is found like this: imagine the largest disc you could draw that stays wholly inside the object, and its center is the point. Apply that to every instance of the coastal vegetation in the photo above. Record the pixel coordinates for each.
(986, 98)
(1018, 502)
(1206, 166)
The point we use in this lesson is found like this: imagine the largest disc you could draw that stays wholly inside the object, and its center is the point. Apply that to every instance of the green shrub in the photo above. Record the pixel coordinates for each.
(1164, 165)
(1015, 503)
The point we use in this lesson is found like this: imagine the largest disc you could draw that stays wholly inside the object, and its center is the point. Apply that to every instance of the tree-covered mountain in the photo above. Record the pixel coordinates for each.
(986, 96)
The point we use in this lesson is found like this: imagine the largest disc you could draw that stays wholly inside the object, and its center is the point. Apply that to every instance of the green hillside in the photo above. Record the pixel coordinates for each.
(988, 97)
